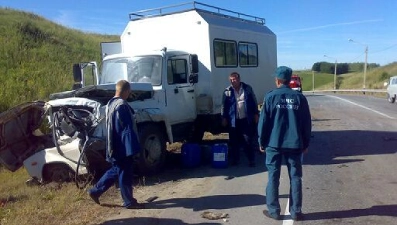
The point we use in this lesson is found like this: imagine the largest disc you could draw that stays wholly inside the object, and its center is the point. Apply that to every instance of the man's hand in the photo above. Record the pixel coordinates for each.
(262, 149)
(224, 122)
(305, 151)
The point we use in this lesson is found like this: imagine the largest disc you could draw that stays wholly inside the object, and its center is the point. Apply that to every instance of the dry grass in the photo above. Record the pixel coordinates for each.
(373, 80)
(60, 203)
(49, 204)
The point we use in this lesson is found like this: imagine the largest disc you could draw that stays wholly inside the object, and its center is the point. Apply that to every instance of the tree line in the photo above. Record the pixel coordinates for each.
(341, 68)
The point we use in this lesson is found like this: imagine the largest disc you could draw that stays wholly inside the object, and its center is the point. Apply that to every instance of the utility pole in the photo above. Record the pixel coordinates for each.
(366, 58)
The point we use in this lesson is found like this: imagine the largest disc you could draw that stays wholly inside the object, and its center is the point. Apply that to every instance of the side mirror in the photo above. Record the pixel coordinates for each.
(77, 75)
(193, 78)
(194, 63)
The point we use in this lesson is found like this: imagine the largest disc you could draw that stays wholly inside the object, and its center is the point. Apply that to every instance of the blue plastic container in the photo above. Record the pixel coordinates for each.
(191, 155)
(219, 155)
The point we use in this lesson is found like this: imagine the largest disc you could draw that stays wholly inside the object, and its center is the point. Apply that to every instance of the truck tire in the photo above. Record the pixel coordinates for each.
(391, 99)
(57, 172)
(153, 149)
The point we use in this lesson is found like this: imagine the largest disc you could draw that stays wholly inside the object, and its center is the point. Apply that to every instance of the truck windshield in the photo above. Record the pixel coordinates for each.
(140, 69)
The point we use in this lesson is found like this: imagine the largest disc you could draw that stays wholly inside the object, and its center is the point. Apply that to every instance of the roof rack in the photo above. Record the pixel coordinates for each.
(166, 10)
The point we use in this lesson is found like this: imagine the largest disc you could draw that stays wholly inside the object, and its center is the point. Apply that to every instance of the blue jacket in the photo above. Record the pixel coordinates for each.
(229, 104)
(285, 120)
(122, 140)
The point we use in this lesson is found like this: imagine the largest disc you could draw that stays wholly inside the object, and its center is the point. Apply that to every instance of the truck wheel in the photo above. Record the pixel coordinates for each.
(153, 149)
(390, 98)
(57, 173)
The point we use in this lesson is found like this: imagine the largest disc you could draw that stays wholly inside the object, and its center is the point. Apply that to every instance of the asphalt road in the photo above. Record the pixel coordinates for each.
(349, 174)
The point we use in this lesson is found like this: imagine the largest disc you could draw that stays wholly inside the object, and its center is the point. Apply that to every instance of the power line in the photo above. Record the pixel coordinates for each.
(392, 46)
(351, 61)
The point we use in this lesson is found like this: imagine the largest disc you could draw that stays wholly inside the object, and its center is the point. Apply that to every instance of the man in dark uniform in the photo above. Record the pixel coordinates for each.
(240, 113)
(122, 144)
(284, 131)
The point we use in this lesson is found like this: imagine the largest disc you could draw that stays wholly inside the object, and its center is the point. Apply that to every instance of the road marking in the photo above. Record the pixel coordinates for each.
(364, 107)
(287, 221)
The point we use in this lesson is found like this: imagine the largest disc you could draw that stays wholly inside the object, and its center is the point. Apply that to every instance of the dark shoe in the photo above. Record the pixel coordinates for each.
(94, 197)
(271, 216)
(297, 217)
(136, 206)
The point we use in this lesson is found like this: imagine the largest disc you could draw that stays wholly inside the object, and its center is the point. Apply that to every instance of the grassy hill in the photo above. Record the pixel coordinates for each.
(37, 55)
(324, 81)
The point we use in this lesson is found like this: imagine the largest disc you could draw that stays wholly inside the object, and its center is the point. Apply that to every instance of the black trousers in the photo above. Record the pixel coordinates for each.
(243, 135)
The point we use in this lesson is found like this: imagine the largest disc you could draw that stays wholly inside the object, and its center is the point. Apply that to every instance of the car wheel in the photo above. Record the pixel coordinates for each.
(391, 99)
(57, 173)
(153, 149)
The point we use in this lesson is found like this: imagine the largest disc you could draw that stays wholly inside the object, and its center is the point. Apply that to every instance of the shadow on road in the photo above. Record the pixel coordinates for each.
(377, 210)
(329, 147)
(149, 221)
(212, 202)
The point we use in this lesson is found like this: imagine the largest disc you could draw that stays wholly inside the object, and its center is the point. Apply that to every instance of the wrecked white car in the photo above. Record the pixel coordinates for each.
(63, 138)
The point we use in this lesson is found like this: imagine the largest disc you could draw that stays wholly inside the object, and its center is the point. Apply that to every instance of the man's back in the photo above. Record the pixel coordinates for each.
(287, 121)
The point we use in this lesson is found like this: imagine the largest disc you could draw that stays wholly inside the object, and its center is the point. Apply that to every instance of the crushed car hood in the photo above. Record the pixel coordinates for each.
(103, 93)
(17, 138)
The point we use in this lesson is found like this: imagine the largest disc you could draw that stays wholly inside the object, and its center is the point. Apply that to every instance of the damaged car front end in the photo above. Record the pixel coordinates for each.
(62, 139)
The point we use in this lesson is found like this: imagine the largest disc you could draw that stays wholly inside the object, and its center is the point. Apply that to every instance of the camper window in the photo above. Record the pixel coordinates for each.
(225, 53)
(248, 54)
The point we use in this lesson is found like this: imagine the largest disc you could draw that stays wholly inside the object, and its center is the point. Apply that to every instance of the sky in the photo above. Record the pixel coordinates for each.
(306, 30)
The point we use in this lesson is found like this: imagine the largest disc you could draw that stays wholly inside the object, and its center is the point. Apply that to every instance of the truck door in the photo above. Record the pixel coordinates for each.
(180, 96)
(110, 48)
(85, 74)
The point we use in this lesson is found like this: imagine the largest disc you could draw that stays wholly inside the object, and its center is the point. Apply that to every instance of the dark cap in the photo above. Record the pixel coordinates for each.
(283, 72)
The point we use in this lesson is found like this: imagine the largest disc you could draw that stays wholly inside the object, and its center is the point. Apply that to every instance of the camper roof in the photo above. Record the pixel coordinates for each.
(173, 9)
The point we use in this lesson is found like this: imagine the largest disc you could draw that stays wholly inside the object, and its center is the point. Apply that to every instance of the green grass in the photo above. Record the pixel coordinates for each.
(322, 80)
(37, 56)
(50, 204)
(375, 79)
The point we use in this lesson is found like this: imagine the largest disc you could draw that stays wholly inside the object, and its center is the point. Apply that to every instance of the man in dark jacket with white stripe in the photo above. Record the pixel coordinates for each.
(240, 113)
(284, 131)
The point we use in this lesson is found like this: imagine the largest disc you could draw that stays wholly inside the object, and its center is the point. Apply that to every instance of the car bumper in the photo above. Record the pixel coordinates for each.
(297, 89)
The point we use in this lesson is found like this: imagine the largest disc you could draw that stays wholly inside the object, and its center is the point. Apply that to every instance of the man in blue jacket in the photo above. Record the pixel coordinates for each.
(284, 131)
(122, 143)
(240, 113)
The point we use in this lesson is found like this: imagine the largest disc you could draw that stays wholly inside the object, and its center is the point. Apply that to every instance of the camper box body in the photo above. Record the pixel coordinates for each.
(203, 33)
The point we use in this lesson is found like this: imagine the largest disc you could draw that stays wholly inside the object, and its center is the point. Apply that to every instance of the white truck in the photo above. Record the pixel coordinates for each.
(178, 60)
